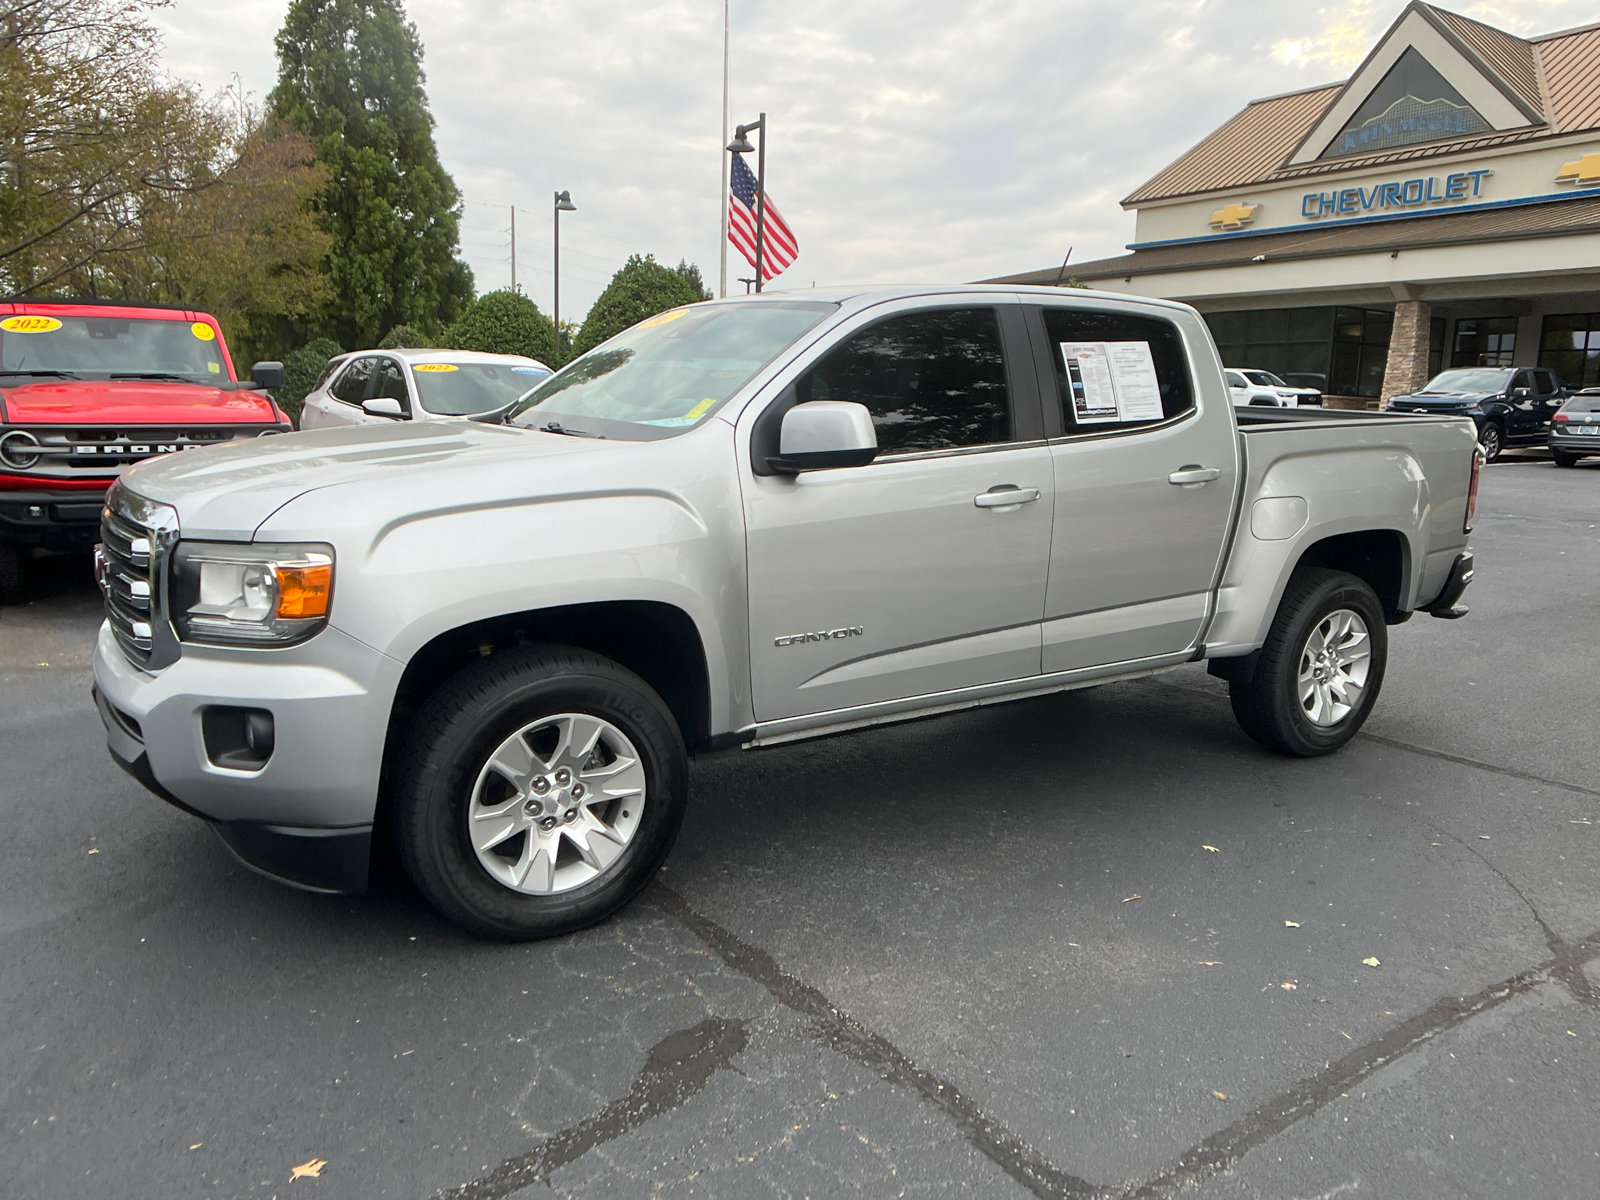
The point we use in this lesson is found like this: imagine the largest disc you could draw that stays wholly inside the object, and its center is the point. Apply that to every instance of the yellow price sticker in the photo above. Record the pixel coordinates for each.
(203, 331)
(674, 315)
(698, 411)
(214, 368)
(435, 367)
(30, 324)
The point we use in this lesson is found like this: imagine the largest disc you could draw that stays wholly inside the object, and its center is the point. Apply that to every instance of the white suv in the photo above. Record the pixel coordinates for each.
(1262, 388)
(369, 387)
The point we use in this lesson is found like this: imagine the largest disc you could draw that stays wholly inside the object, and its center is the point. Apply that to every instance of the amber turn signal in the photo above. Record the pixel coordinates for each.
(303, 590)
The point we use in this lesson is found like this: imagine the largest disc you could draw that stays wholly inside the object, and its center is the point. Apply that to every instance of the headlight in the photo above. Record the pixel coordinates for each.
(256, 595)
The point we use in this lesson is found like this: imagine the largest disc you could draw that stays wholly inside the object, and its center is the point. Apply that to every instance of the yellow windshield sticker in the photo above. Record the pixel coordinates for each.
(30, 324)
(214, 368)
(664, 318)
(698, 411)
(203, 331)
(435, 367)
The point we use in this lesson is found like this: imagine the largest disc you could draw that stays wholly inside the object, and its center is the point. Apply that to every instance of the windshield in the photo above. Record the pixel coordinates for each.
(1457, 383)
(465, 389)
(110, 347)
(670, 372)
(1265, 379)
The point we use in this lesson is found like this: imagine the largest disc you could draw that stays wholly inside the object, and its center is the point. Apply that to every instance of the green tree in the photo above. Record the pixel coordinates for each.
(504, 322)
(301, 369)
(642, 288)
(691, 272)
(350, 77)
(403, 337)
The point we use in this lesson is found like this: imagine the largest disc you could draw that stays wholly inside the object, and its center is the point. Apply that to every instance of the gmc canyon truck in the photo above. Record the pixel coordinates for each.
(88, 387)
(738, 524)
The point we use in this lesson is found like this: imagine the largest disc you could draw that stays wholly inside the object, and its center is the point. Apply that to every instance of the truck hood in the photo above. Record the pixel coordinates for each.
(1444, 399)
(132, 402)
(226, 492)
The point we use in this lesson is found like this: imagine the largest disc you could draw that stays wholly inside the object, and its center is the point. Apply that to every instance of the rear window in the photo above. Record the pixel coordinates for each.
(1117, 371)
(1582, 404)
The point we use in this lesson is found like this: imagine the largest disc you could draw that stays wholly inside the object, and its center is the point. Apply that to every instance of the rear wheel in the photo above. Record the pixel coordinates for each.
(1564, 460)
(1492, 439)
(1320, 668)
(542, 790)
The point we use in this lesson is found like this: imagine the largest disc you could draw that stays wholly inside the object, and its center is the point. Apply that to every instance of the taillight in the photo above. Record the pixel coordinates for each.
(1472, 489)
(1560, 418)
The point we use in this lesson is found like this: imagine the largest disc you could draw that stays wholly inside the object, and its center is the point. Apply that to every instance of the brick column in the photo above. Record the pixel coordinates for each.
(1407, 369)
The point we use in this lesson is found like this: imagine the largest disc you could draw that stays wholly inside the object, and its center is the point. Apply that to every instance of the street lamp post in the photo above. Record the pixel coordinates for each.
(741, 145)
(563, 204)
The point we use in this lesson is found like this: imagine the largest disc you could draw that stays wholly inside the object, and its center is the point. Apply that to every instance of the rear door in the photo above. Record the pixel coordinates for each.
(923, 571)
(1145, 472)
(1547, 397)
(1526, 416)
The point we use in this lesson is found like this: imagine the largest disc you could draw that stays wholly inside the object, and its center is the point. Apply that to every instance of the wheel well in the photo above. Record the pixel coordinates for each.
(656, 641)
(1379, 556)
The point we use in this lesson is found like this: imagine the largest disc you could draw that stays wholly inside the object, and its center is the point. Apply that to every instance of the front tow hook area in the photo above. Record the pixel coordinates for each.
(1447, 604)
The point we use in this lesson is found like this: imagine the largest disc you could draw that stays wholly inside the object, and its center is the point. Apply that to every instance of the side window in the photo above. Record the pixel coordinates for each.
(392, 383)
(327, 372)
(1117, 370)
(1235, 379)
(351, 387)
(1522, 379)
(933, 380)
(1546, 383)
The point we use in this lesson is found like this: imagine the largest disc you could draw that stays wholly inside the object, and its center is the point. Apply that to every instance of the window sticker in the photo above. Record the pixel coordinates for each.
(688, 418)
(435, 367)
(529, 371)
(203, 331)
(663, 318)
(30, 324)
(214, 368)
(1112, 381)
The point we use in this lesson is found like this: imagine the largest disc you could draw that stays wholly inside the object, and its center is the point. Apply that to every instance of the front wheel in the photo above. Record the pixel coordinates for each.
(542, 789)
(1492, 441)
(1320, 668)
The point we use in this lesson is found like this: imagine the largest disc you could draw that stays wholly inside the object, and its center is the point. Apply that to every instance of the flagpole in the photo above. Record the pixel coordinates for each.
(722, 148)
(761, 197)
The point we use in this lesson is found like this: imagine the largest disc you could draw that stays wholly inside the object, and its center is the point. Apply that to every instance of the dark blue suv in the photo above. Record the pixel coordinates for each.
(1512, 406)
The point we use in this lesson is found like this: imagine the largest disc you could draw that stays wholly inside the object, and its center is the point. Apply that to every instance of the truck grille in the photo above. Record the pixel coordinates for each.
(136, 537)
(128, 576)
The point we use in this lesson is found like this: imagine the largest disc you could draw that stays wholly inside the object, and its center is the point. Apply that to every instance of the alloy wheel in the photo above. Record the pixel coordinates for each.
(1333, 667)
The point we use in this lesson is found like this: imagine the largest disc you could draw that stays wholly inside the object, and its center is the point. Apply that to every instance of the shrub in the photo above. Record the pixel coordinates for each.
(503, 322)
(403, 337)
(300, 370)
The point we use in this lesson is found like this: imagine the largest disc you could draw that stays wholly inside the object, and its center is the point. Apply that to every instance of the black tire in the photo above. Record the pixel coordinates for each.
(10, 573)
(1493, 440)
(1564, 460)
(457, 730)
(1268, 705)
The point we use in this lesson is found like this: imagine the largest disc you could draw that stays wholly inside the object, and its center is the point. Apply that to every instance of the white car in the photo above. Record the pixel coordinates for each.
(1263, 388)
(369, 387)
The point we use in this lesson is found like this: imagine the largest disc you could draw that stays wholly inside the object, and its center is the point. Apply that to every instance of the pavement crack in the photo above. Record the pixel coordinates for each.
(1477, 763)
(840, 1032)
(677, 1068)
(1223, 1149)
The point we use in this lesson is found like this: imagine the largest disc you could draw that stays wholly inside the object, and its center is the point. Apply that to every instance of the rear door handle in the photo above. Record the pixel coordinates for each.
(1006, 497)
(1194, 476)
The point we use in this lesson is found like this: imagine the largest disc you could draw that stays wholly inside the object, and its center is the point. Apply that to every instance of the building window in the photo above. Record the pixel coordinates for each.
(1570, 346)
(1292, 343)
(1360, 351)
(1484, 342)
(1436, 333)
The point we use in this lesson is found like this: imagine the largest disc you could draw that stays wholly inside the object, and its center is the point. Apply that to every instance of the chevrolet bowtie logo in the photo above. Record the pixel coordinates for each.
(1584, 171)
(1236, 215)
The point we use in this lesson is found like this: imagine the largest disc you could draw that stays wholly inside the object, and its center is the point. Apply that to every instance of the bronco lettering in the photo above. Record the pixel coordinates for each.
(794, 639)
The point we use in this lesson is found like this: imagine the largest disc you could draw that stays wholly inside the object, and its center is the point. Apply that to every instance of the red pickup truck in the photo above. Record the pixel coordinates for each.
(88, 387)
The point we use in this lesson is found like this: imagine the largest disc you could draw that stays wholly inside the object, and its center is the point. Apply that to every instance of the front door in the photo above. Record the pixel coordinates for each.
(923, 571)
(1144, 481)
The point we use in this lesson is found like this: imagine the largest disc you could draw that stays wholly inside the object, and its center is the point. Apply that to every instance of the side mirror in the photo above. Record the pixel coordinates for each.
(825, 433)
(267, 375)
(383, 406)
(1521, 393)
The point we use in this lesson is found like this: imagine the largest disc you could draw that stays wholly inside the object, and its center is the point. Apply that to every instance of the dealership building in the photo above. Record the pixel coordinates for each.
(1439, 208)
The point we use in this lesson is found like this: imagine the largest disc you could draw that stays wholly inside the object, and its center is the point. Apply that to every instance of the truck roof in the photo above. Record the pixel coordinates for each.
(92, 302)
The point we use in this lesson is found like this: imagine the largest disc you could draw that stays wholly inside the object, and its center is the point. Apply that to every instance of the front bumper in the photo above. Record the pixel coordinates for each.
(304, 817)
(55, 520)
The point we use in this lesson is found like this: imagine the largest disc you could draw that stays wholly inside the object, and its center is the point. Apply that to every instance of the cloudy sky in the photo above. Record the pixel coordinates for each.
(911, 140)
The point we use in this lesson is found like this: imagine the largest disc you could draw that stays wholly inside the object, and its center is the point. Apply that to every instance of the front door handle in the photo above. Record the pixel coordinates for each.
(1193, 476)
(1006, 497)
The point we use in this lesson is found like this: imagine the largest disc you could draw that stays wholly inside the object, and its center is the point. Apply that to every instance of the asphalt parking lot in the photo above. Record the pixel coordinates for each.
(1091, 944)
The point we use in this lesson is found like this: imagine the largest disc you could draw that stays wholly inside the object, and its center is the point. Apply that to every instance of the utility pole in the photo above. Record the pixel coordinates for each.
(513, 247)
(563, 204)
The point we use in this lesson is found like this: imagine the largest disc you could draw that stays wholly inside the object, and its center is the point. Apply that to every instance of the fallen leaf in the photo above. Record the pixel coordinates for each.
(1209, 962)
(310, 1169)
(1213, 849)
(1433, 843)
(1135, 896)
(1371, 961)
(1483, 837)
(197, 1145)
(1291, 924)
(1219, 1095)
(96, 850)
(1346, 1036)
(1289, 985)
(1571, 1034)
(1075, 944)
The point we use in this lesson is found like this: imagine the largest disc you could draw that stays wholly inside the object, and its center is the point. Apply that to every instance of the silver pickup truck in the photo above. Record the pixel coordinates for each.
(735, 525)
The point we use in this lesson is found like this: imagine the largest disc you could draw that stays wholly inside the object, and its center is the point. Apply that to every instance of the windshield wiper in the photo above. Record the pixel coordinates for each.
(52, 374)
(151, 375)
(558, 427)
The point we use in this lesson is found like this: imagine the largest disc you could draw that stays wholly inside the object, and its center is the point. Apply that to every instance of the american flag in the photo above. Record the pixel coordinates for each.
(778, 246)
